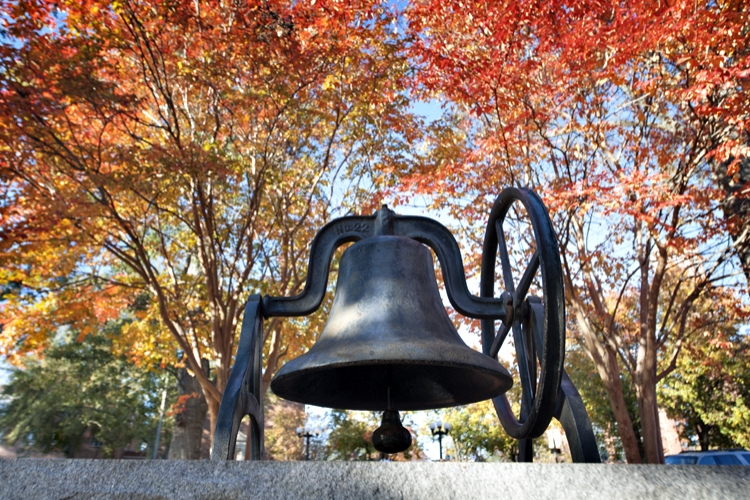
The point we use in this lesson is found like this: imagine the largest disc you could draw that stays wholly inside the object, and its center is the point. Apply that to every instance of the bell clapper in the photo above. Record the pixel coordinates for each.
(391, 436)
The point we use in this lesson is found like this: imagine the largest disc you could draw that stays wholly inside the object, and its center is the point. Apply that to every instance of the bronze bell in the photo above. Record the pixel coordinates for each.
(388, 343)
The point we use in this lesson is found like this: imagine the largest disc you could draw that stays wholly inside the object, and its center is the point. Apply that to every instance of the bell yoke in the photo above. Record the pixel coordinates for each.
(388, 344)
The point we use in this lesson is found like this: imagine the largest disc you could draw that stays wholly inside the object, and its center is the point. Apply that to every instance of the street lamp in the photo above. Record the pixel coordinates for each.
(307, 434)
(440, 430)
(554, 440)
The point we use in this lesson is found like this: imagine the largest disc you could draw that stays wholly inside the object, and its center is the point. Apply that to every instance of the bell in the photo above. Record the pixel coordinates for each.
(388, 343)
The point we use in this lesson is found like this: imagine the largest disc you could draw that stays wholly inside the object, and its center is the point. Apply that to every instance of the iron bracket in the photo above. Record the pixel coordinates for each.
(385, 221)
(242, 394)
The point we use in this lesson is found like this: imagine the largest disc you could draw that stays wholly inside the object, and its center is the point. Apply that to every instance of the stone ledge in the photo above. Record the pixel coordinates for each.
(93, 479)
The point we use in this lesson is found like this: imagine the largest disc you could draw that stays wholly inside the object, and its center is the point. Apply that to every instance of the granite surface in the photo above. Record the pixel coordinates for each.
(93, 479)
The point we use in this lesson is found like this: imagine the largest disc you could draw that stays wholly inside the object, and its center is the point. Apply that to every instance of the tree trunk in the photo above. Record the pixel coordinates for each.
(605, 360)
(648, 408)
(703, 432)
(188, 426)
(609, 444)
(645, 371)
(213, 414)
(649, 413)
(274, 354)
(610, 376)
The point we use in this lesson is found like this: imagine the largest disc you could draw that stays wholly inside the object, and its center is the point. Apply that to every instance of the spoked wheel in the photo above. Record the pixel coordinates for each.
(538, 323)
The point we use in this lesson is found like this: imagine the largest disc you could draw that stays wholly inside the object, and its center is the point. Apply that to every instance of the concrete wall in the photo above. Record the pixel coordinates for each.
(93, 479)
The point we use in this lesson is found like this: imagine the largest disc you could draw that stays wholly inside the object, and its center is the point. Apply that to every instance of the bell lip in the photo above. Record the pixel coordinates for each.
(498, 373)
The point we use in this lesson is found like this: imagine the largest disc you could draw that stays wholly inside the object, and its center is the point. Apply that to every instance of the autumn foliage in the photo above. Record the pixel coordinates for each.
(632, 120)
(164, 160)
(159, 161)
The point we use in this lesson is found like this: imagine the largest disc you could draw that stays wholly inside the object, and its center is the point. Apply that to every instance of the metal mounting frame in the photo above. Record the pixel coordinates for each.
(242, 394)
(529, 318)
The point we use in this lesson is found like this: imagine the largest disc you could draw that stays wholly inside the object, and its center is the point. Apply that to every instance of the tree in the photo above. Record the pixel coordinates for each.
(351, 436)
(282, 419)
(189, 413)
(735, 181)
(617, 114)
(583, 373)
(477, 435)
(77, 386)
(181, 155)
(709, 393)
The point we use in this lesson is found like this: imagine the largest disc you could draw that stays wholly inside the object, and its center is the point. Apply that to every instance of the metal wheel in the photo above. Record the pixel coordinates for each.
(539, 339)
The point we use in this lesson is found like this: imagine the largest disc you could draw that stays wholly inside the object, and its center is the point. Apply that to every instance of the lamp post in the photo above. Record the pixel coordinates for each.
(307, 434)
(439, 429)
(554, 440)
